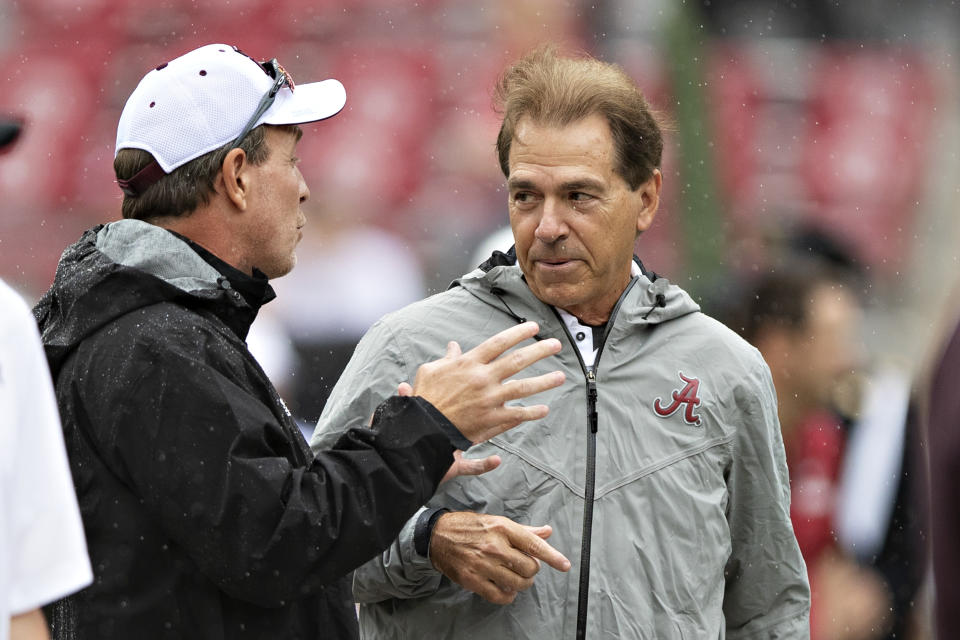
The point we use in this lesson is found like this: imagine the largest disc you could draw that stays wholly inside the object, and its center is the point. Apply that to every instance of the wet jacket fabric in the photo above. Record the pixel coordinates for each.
(691, 533)
(206, 514)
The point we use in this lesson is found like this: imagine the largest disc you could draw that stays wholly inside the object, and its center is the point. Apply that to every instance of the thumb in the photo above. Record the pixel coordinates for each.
(476, 467)
(404, 390)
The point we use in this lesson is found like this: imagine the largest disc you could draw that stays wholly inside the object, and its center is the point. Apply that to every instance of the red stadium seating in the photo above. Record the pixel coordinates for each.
(57, 94)
(378, 140)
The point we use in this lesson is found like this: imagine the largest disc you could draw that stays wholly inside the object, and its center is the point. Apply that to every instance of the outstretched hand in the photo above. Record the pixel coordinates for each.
(469, 388)
(461, 466)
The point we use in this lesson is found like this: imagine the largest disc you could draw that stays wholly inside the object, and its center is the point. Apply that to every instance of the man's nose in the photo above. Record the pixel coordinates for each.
(552, 225)
(304, 190)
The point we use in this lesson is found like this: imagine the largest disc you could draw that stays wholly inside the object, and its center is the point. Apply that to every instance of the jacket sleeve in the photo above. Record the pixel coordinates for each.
(374, 372)
(212, 463)
(378, 365)
(767, 594)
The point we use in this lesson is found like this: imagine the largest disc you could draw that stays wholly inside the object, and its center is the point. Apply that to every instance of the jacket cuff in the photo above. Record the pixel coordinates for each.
(417, 568)
(457, 439)
(394, 406)
(422, 531)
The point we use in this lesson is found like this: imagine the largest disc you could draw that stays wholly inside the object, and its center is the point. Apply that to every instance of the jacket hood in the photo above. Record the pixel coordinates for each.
(648, 299)
(116, 268)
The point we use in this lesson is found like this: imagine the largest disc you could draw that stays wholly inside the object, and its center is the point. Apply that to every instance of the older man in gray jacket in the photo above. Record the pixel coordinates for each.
(660, 468)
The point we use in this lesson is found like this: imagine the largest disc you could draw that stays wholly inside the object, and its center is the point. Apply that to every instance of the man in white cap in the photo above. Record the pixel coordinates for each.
(205, 512)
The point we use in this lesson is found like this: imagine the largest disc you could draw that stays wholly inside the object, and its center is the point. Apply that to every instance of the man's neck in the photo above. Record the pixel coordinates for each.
(203, 228)
(599, 314)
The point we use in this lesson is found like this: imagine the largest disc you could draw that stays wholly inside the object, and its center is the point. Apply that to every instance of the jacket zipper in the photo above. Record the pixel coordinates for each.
(593, 420)
(589, 485)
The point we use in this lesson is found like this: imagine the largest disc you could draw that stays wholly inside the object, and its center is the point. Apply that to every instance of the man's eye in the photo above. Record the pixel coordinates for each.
(579, 196)
(522, 196)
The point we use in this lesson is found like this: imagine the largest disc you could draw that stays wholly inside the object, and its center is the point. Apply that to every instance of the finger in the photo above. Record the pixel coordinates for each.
(543, 531)
(454, 469)
(523, 387)
(404, 390)
(453, 349)
(522, 565)
(480, 584)
(519, 359)
(507, 579)
(493, 593)
(478, 466)
(505, 418)
(494, 346)
(536, 547)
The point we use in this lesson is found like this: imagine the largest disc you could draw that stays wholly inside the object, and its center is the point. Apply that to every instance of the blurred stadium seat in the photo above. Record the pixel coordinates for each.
(840, 133)
(56, 93)
(836, 135)
(378, 142)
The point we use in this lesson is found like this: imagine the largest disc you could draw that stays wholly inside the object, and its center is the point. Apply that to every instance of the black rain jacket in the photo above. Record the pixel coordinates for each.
(205, 512)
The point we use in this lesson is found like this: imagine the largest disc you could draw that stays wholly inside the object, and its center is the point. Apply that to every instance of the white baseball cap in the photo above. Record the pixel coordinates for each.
(204, 99)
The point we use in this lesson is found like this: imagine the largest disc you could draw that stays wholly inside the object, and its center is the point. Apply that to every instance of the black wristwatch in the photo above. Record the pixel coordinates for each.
(424, 529)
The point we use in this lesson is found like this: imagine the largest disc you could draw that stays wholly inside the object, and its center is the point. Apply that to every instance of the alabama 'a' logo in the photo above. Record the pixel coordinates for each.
(686, 397)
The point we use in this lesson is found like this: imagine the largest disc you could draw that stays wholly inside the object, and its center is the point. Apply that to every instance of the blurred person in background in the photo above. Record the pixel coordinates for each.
(43, 554)
(805, 319)
(661, 466)
(206, 514)
(344, 257)
(270, 343)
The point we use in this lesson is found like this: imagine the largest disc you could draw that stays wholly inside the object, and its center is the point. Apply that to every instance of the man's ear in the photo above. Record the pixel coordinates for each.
(234, 179)
(649, 193)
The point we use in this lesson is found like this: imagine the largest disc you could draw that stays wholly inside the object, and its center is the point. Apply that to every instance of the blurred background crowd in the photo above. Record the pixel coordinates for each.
(810, 196)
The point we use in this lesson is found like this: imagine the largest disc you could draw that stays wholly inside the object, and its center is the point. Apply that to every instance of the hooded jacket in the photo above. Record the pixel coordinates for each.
(205, 512)
(673, 437)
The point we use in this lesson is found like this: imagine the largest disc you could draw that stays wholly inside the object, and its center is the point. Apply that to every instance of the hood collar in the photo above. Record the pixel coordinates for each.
(651, 300)
(153, 249)
(126, 265)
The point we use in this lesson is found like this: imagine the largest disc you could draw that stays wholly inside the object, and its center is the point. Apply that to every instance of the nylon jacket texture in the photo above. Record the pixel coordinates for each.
(691, 527)
(206, 514)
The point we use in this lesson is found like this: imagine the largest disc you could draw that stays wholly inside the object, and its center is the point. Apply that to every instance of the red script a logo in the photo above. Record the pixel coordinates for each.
(687, 396)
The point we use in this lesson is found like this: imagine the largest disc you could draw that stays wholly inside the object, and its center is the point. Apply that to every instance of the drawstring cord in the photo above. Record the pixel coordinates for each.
(661, 302)
(497, 291)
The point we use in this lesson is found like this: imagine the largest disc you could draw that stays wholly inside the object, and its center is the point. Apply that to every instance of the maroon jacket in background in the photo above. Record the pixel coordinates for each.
(944, 451)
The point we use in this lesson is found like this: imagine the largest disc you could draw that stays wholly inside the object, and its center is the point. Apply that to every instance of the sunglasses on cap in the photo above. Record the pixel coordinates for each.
(280, 79)
(152, 173)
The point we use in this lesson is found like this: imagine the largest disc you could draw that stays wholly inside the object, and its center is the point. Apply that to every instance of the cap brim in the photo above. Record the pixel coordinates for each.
(306, 103)
(9, 132)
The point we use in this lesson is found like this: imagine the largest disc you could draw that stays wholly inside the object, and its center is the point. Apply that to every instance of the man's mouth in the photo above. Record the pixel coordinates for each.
(555, 260)
(555, 264)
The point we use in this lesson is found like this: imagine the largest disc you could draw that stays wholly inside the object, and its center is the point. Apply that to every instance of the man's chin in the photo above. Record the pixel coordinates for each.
(279, 270)
(562, 295)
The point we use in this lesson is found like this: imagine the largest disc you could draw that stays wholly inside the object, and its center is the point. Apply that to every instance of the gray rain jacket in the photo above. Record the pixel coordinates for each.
(691, 533)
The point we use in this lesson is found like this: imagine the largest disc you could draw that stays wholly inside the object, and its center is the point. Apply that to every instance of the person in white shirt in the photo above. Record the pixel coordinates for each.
(43, 554)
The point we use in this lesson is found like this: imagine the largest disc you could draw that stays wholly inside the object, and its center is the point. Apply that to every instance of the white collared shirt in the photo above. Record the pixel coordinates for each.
(582, 334)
